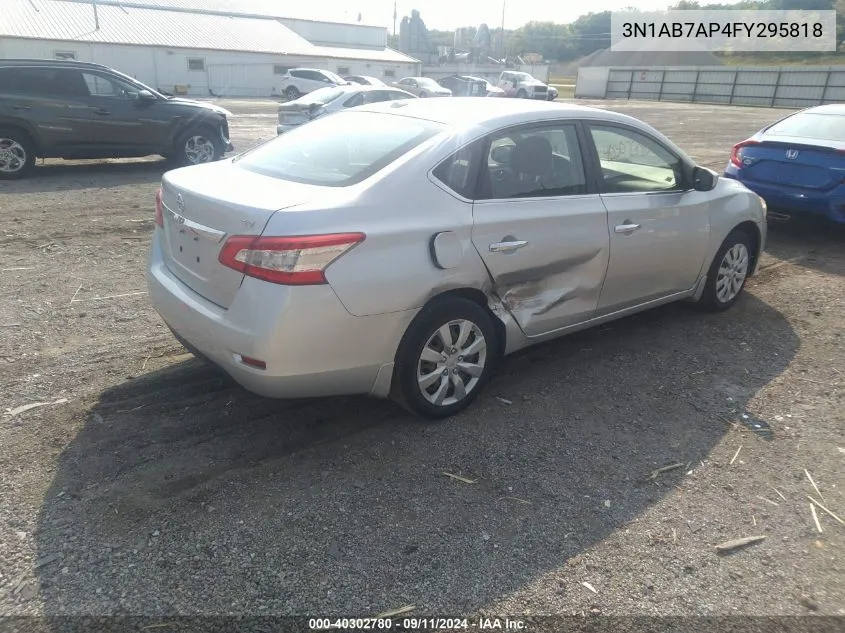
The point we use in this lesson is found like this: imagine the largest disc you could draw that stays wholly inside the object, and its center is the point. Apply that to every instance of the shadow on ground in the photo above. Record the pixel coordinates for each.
(183, 493)
(805, 241)
(74, 175)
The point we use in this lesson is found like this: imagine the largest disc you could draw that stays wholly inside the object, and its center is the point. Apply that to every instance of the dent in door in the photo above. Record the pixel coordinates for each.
(534, 292)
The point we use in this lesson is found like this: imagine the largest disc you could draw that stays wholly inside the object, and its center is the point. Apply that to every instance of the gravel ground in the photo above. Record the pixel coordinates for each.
(151, 486)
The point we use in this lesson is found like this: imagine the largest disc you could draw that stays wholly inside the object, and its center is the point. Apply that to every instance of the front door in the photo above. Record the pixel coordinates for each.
(539, 229)
(659, 228)
(119, 120)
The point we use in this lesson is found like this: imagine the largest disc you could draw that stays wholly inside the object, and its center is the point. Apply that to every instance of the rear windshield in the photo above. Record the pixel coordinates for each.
(325, 95)
(829, 127)
(339, 150)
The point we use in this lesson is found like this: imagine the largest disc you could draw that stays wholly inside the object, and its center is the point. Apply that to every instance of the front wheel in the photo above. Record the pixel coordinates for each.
(17, 154)
(728, 272)
(423, 95)
(292, 93)
(522, 94)
(445, 358)
(198, 146)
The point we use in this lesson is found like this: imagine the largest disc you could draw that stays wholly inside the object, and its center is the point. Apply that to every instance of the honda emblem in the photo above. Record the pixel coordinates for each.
(792, 154)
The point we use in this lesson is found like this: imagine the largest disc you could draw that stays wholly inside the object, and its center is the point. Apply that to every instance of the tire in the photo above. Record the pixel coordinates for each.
(468, 372)
(423, 95)
(728, 272)
(197, 146)
(292, 93)
(17, 154)
(522, 94)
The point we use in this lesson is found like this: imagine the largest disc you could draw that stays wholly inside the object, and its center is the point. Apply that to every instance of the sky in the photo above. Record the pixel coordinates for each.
(450, 14)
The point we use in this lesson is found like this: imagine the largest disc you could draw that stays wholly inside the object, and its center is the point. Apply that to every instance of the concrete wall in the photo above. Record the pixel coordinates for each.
(782, 87)
(226, 74)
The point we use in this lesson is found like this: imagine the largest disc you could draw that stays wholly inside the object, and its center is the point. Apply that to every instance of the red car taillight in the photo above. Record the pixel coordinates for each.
(736, 153)
(291, 261)
(159, 209)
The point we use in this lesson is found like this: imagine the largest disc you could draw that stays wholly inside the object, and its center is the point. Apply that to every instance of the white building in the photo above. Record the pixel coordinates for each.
(231, 48)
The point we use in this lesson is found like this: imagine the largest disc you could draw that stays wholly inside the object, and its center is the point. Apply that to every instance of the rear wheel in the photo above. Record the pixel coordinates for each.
(423, 94)
(445, 359)
(17, 154)
(198, 146)
(292, 93)
(728, 272)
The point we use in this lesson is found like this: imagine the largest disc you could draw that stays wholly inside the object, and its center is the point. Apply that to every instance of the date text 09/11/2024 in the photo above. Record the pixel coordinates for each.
(416, 624)
(719, 29)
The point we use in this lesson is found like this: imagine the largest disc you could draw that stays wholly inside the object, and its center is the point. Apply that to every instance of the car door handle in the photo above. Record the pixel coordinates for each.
(507, 247)
(627, 227)
(20, 107)
(102, 111)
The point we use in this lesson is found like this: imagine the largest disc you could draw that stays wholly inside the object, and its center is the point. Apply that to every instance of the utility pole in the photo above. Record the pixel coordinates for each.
(504, 49)
(394, 19)
(96, 17)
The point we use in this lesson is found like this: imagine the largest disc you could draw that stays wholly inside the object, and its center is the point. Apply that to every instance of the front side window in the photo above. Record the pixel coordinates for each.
(531, 162)
(631, 162)
(339, 150)
(99, 86)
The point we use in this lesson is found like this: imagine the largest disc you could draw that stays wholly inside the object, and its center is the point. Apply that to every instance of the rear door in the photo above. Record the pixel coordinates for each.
(33, 96)
(659, 228)
(540, 230)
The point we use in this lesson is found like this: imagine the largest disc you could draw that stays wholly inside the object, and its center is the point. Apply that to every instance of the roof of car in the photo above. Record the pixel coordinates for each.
(459, 111)
(51, 62)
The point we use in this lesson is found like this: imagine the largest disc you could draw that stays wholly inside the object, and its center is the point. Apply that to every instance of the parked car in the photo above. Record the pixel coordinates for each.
(325, 101)
(400, 249)
(423, 87)
(364, 80)
(463, 86)
(77, 110)
(797, 164)
(492, 91)
(300, 81)
(522, 85)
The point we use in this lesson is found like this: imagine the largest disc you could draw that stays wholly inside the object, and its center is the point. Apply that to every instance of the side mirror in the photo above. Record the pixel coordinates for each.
(704, 179)
(502, 154)
(145, 96)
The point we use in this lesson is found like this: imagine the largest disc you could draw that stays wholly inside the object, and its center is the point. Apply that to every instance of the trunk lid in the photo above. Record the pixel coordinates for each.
(297, 113)
(205, 205)
(794, 162)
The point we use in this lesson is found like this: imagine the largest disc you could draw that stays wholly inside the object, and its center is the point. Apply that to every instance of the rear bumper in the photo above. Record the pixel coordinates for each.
(797, 202)
(311, 345)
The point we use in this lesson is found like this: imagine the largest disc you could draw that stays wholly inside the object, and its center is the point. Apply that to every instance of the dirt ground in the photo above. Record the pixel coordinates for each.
(149, 485)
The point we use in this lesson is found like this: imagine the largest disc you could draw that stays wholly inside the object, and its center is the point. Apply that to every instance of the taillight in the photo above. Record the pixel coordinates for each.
(292, 261)
(159, 210)
(736, 153)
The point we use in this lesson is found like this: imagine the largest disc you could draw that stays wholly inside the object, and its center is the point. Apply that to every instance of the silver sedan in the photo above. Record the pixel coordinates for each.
(333, 99)
(401, 249)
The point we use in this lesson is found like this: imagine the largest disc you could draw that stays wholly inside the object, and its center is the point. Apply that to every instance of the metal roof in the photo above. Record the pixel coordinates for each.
(254, 8)
(69, 20)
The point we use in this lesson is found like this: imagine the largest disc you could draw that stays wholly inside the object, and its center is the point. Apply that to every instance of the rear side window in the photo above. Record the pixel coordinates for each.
(816, 125)
(35, 81)
(459, 172)
(339, 150)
